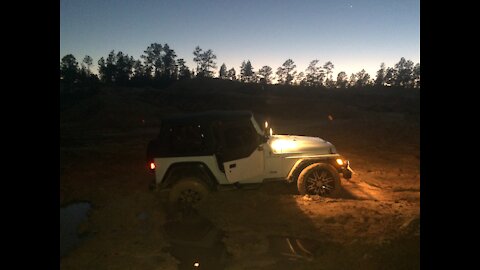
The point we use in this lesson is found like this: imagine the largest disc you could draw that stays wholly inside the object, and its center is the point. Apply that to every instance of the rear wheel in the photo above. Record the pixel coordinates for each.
(188, 192)
(319, 179)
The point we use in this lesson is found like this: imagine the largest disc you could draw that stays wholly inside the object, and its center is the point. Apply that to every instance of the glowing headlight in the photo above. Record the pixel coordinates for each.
(279, 146)
(339, 161)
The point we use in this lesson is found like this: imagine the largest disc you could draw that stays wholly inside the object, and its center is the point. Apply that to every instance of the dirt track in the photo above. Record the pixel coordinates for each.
(373, 224)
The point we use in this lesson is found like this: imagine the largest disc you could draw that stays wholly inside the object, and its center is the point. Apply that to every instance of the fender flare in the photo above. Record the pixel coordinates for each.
(303, 163)
(191, 168)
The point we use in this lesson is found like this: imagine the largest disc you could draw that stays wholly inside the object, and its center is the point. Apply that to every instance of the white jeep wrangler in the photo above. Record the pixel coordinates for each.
(199, 152)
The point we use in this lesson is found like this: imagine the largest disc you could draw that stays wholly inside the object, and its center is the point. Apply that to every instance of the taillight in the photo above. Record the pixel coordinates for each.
(152, 166)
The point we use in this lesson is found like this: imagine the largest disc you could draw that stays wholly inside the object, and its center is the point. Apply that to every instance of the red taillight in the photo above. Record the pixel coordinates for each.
(152, 166)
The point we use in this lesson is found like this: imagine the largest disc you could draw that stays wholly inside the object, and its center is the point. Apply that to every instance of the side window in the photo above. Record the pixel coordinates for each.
(234, 137)
(239, 139)
(186, 139)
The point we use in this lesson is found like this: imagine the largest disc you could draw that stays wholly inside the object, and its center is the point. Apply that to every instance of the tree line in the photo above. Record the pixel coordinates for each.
(159, 66)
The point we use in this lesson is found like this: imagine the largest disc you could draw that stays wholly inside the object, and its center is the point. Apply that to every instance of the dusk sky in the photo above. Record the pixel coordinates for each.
(353, 35)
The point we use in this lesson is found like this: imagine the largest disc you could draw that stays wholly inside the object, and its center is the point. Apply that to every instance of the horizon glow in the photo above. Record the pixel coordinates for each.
(353, 35)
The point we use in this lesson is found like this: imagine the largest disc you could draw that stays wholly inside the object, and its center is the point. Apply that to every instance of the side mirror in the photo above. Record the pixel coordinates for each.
(263, 139)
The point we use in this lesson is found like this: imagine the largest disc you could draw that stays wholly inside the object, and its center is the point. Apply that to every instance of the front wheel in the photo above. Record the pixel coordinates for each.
(319, 179)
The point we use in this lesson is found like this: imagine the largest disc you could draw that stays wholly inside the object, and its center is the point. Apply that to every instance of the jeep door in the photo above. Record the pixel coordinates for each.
(240, 150)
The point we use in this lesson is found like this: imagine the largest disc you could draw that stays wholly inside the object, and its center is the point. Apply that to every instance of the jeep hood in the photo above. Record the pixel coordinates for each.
(292, 144)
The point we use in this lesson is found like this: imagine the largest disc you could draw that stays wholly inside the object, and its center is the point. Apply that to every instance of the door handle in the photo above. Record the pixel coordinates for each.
(232, 165)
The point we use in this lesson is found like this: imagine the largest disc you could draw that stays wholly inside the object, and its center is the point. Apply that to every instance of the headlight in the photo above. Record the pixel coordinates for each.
(339, 161)
(282, 146)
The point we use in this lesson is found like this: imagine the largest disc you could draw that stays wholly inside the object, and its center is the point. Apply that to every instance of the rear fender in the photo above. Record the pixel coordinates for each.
(177, 171)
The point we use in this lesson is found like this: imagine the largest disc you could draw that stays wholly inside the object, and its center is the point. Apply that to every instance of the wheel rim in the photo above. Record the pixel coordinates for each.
(189, 197)
(320, 182)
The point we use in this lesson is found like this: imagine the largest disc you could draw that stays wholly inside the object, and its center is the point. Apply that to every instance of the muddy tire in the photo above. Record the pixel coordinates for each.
(319, 179)
(188, 192)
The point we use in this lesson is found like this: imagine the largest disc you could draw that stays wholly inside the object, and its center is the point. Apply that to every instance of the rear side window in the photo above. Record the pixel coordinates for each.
(185, 139)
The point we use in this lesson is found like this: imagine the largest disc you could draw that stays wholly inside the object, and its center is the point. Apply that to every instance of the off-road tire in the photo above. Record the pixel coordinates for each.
(319, 179)
(188, 192)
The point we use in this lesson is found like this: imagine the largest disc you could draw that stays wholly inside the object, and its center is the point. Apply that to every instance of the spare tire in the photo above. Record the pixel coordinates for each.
(319, 179)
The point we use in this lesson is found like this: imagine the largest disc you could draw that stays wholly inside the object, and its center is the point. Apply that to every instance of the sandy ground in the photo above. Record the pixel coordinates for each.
(373, 224)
